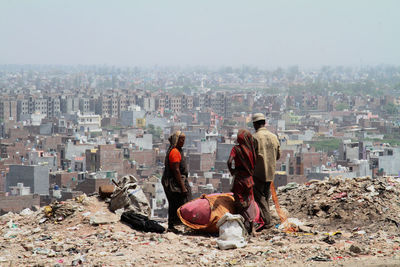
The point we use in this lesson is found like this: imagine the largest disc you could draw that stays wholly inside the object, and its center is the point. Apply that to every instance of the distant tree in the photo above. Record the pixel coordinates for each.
(155, 131)
(391, 109)
(229, 123)
(342, 106)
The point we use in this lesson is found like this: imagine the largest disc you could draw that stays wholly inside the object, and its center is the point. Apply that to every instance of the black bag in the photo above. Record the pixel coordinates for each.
(141, 223)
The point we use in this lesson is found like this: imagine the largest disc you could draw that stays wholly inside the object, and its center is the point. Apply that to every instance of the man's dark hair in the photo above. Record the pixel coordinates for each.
(260, 123)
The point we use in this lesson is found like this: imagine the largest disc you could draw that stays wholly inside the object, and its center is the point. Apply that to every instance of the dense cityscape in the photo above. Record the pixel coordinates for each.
(199, 133)
(70, 129)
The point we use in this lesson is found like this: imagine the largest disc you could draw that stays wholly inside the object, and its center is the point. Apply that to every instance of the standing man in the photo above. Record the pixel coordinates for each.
(268, 151)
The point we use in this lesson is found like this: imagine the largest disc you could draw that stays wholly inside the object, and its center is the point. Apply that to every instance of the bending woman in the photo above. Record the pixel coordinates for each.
(244, 156)
(174, 179)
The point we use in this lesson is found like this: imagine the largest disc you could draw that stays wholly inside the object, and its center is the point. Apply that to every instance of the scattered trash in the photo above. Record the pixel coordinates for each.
(355, 249)
(44, 237)
(103, 218)
(340, 195)
(329, 240)
(12, 225)
(58, 211)
(367, 228)
(305, 229)
(319, 258)
(337, 233)
(26, 212)
(289, 186)
(291, 225)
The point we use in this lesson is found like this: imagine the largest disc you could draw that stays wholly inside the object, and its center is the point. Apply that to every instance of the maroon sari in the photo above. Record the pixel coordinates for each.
(244, 156)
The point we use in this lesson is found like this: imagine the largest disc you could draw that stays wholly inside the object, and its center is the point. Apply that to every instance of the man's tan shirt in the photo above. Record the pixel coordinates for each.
(268, 151)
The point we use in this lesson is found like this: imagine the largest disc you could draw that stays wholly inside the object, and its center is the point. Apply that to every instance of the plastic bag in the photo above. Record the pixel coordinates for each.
(231, 232)
(129, 196)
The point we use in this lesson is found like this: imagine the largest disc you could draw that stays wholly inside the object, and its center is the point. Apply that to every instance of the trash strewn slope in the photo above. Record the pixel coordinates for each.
(346, 203)
(341, 222)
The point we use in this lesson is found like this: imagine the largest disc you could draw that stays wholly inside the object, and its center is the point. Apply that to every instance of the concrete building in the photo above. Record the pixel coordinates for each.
(53, 107)
(220, 104)
(107, 106)
(8, 110)
(385, 160)
(64, 179)
(42, 158)
(39, 106)
(84, 105)
(142, 141)
(105, 158)
(149, 104)
(69, 104)
(22, 109)
(154, 192)
(20, 190)
(206, 146)
(34, 176)
(201, 162)
(88, 122)
(349, 150)
(91, 185)
(129, 117)
(222, 155)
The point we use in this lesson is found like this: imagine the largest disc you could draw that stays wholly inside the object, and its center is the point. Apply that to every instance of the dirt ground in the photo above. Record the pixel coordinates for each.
(74, 241)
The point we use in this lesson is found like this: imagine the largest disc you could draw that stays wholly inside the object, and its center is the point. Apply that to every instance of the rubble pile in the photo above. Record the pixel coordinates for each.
(84, 232)
(346, 203)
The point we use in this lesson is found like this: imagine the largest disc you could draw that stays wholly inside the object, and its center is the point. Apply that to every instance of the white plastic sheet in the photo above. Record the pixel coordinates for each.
(231, 232)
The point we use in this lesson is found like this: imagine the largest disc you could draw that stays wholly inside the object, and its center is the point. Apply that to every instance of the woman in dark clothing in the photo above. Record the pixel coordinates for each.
(174, 179)
(244, 156)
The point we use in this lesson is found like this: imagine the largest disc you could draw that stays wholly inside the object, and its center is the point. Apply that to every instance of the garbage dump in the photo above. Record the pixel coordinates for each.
(346, 203)
(365, 234)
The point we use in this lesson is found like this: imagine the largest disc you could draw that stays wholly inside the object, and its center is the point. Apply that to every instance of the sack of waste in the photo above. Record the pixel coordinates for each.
(129, 196)
(231, 232)
(204, 212)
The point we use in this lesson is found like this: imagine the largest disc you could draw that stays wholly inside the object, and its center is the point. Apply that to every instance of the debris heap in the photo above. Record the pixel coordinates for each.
(346, 203)
(84, 232)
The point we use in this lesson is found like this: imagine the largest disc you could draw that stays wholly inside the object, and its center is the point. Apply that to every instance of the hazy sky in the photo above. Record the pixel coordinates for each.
(203, 32)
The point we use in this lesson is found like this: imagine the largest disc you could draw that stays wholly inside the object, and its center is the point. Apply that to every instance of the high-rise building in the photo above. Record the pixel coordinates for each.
(8, 110)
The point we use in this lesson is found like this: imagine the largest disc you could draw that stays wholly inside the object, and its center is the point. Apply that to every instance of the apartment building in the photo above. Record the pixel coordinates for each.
(8, 110)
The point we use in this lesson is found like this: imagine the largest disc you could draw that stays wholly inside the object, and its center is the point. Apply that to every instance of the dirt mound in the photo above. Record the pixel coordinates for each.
(346, 203)
(83, 232)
